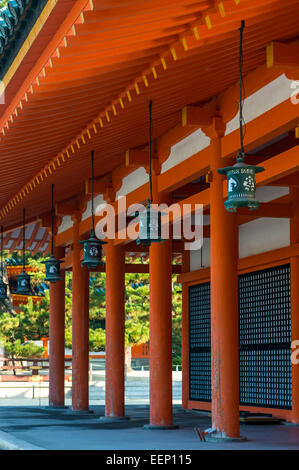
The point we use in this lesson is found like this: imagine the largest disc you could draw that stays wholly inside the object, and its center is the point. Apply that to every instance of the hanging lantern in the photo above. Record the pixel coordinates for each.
(150, 226)
(3, 285)
(52, 269)
(92, 251)
(24, 286)
(52, 264)
(241, 186)
(92, 246)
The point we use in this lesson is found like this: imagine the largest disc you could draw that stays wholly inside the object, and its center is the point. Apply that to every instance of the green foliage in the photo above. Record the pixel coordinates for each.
(176, 323)
(136, 309)
(3, 3)
(33, 321)
(97, 339)
(19, 350)
(13, 340)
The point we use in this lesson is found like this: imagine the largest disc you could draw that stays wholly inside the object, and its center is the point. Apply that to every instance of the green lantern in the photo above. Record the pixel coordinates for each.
(52, 264)
(150, 220)
(92, 251)
(52, 269)
(149, 227)
(92, 246)
(24, 286)
(3, 285)
(241, 185)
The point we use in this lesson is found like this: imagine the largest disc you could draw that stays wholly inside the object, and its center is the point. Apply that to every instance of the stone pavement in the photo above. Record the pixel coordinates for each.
(24, 427)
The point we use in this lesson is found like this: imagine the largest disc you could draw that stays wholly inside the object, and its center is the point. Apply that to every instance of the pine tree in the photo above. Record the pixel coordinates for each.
(32, 323)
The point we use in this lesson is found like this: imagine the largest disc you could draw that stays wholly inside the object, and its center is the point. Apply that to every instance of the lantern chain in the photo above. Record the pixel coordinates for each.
(52, 221)
(241, 154)
(92, 189)
(150, 150)
(24, 221)
(2, 270)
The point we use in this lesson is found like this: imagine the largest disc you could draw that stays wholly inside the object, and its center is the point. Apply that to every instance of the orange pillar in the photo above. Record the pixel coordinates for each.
(294, 233)
(80, 327)
(185, 332)
(160, 336)
(56, 328)
(224, 307)
(115, 333)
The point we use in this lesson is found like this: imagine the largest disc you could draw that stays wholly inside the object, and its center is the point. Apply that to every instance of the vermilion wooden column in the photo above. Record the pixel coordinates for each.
(80, 327)
(160, 335)
(294, 235)
(224, 307)
(115, 333)
(185, 332)
(56, 327)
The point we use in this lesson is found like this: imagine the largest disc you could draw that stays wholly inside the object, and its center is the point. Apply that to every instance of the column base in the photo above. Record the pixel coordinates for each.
(113, 419)
(161, 426)
(217, 436)
(55, 408)
(79, 412)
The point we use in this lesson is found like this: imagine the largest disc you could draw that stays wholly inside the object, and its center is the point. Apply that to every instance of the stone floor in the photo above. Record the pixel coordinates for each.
(36, 428)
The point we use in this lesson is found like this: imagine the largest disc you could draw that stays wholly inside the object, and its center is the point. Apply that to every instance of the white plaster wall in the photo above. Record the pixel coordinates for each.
(269, 193)
(255, 237)
(184, 149)
(264, 234)
(65, 224)
(98, 204)
(132, 182)
(195, 256)
(263, 100)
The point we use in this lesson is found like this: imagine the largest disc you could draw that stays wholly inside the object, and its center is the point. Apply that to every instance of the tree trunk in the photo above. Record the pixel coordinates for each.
(128, 359)
(13, 364)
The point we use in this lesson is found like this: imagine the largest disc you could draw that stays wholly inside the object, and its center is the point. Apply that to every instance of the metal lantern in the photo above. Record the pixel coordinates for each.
(92, 246)
(241, 177)
(92, 251)
(149, 227)
(52, 269)
(3, 290)
(24, 286)
(3, 285)
(150, 220)
(241, 186)
(52, 264)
